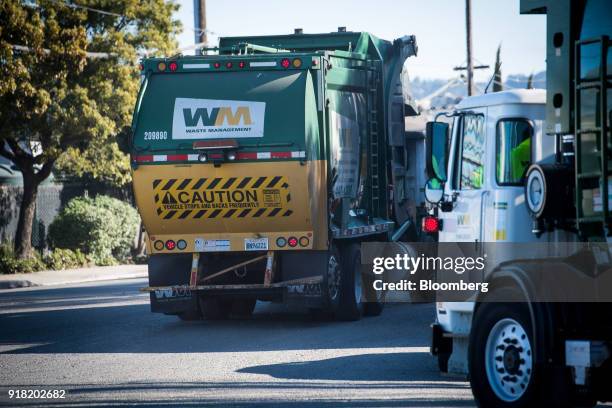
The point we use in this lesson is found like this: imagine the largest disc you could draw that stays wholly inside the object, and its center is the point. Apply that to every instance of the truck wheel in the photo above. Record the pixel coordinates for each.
(501, 356)
(214, 308)
(351, 296)
(333, 277)
(243, 307)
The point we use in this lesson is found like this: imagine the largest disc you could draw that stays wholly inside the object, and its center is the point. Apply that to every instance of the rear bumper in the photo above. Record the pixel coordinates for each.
(179, 298)
(298, 279)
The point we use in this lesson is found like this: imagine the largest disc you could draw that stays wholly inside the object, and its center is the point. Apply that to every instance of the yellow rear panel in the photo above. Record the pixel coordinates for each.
(234, 201)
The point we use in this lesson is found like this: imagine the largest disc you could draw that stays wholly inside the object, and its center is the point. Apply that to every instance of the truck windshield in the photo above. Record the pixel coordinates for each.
(251, 107)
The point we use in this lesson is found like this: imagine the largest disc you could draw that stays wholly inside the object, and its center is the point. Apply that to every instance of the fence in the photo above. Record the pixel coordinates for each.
(50, 200)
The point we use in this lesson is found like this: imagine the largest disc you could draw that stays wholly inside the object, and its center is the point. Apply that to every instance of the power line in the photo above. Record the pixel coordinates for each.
(93, 10)
(88, 54)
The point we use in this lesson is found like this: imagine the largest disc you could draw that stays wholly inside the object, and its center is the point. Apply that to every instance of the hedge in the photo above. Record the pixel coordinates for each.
(102, 228)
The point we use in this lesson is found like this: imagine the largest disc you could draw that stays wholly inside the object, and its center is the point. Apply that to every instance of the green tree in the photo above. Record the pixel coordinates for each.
(68, 83)
(497, 75)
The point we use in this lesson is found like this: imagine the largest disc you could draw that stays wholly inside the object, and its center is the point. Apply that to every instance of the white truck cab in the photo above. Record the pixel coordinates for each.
(493, 140)
(479, 172)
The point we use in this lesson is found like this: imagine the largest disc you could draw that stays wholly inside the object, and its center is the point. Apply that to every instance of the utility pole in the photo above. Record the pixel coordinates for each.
(469, 60)
(199, 17)
(468, 37)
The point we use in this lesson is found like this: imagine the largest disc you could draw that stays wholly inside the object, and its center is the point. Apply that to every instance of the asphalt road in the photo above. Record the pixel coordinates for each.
(100, 343)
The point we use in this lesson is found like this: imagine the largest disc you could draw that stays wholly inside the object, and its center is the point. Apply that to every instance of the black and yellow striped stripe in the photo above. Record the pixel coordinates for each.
(222, 197)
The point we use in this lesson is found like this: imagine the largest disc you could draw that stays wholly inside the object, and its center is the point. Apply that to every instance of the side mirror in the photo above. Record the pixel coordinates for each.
(437, 149)
(434, 191)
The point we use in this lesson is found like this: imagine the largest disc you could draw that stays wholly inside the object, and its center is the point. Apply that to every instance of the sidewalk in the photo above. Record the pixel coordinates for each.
(96, 273)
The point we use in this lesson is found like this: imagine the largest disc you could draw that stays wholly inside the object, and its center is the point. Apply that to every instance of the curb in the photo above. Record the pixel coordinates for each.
(14, 284)
(66, 277)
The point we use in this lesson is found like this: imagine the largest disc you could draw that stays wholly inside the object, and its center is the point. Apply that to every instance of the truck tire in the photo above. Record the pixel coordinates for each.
(501, 356)
(243, 307)
(351, 301)
(214, 308)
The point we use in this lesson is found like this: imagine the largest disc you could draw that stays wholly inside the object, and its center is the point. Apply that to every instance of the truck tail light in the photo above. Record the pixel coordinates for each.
(430, 224)
(297, 63)
(158, 245)
(304, 241)
(170, 245)
(241, 64)
(161, 66)
(281, 242)
(173, 66)
(293, 241)
(285, 63)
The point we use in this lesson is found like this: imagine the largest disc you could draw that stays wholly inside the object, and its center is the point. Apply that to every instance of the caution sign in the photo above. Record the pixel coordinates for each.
(222, 197)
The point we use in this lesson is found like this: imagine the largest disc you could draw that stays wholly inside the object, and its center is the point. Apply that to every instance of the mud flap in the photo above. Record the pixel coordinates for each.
(169, 270)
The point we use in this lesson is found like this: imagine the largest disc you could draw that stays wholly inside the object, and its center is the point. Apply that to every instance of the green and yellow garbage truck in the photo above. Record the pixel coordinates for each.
(260, 168)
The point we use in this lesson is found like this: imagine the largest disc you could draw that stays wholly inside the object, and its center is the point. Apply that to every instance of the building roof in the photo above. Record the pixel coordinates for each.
(523, 96)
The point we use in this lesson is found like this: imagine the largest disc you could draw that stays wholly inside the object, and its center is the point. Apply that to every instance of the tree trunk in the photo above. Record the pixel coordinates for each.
(23, 237)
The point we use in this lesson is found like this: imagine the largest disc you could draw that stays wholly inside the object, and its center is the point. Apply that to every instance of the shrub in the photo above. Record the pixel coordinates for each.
(61, 258)
(10, 264)
(101, 227)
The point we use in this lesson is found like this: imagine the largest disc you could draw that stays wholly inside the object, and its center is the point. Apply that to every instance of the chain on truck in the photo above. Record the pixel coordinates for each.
(526, 174)
(259, 167)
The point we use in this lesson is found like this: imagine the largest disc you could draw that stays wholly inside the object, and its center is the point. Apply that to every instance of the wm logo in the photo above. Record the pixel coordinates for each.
(217, 116)
(463, 219)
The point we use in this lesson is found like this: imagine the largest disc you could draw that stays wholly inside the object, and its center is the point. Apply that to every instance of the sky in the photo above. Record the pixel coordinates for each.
(439, 26)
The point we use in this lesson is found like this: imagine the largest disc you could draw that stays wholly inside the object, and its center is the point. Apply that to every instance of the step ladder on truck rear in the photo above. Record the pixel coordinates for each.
(260, 167)
(537, 201)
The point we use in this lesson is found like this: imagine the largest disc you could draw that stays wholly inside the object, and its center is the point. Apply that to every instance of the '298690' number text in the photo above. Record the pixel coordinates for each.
(161, 135)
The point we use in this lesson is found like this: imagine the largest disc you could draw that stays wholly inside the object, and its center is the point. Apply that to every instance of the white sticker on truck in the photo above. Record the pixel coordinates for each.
(217, 119)
(255, 244)
(211, 245)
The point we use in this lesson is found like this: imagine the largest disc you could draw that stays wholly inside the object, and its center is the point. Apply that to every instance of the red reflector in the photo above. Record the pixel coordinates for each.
(173, 66)
(170, 244)
(247, 156)
(143, 159)
(430, 224)
(292, 242)
(285, 63)
(229, 65)
(280, 155)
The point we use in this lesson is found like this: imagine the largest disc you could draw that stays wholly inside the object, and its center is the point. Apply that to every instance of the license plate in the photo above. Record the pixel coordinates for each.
(255, 244)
